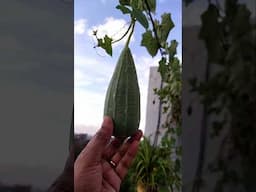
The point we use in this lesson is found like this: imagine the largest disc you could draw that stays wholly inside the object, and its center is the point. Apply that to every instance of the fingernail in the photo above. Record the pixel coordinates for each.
(138, 135)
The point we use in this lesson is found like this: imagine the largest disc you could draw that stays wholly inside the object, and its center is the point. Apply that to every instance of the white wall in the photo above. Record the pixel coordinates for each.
(153, 103)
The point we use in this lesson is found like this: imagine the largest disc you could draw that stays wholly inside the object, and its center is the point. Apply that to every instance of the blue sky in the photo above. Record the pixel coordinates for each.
(93, 68)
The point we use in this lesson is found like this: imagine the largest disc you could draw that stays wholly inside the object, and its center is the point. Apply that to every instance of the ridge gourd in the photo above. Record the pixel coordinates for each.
(122, 101)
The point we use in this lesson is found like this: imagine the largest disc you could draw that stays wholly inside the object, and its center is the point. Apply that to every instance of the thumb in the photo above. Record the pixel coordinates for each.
(92, 153)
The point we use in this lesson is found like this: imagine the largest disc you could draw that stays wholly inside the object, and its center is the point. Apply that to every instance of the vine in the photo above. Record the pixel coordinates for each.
(229, 94)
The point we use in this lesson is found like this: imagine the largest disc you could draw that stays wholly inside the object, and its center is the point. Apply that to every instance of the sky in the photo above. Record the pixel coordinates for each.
(93, 68)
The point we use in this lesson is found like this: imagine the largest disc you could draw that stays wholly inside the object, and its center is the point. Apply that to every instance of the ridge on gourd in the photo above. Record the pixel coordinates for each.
(122, 102)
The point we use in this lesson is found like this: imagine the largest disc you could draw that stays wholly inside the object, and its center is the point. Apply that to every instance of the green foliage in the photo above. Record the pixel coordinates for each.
(164, 28)
(140, 17)
(150, 43)
(138, 11)
(170, 93)
(105, 43)
(152, 5)
(124, 2)
(124, 9)
(230, 92)
(128, 184)
(211, 33)
(153, 167)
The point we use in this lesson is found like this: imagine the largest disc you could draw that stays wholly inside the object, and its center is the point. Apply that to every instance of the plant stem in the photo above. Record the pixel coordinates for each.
(130, 35)
(154, 28)
(161, 85)
(123, 34)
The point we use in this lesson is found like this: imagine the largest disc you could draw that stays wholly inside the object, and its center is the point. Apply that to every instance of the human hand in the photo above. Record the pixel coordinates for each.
(103, 164)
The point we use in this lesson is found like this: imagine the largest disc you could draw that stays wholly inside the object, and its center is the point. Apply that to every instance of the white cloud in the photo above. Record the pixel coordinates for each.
(89, 129)
(90, 71)
(80, 26)
(88, 109)
(80, 79)
(89, 103)
(112, 27)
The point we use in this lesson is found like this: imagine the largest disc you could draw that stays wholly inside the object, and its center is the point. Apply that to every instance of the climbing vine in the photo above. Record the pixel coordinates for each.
(228, 33)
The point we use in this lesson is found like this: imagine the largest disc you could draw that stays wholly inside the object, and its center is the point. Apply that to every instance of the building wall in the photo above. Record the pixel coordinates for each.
(152, 111)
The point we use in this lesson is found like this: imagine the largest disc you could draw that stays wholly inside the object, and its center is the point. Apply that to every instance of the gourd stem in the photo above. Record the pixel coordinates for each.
(123, 34)
(130, 35)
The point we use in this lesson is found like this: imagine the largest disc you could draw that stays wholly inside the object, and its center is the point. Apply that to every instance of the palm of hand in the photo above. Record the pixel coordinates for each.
(93, 171)
(100, 178)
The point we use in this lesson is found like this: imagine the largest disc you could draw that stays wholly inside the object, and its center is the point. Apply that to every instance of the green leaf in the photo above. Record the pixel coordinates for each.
(152, 5)
(177, 164)
(150, 43)
(163, 189)
(124, 2)
(172, 49)
(162, 68)
(137, 4)
(211, 33)
(124, 9)
(179, 151)
(106, 44)
(134, 3)
(173, 141)
(140, 16)
(240, 24)
(165, 27)
(179, 131)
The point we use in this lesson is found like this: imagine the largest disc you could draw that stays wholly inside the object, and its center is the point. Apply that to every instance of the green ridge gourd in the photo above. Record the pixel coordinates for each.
(122, 102)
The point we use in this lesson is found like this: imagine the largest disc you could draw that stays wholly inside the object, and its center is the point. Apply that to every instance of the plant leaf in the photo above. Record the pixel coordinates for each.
(150, 43)
(211, 33)
(140, 16)
(162, 68)
(124, 9)
(165, 27)
(134, 3)
(152, 5)
(106, 44)
(124, 2)
(172, 49)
